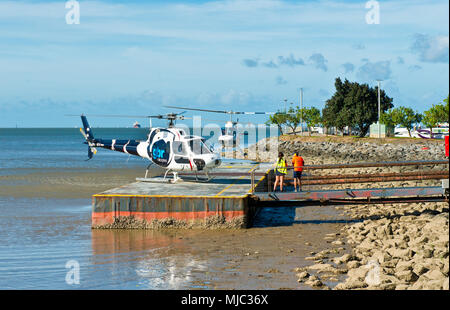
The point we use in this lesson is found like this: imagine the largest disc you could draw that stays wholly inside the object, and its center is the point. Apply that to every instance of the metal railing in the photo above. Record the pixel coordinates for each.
(308, 179)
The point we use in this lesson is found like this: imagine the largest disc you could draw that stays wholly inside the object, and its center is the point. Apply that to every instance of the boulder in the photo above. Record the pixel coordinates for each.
(388, 286)
(358, 273)
(433, 285)
(407, 276)
(404, 266)
(314, 281)
(434, 275)
(400, 253)
(428, 253)
(338, 242)
(353, 264)
(352, 284)
(381, 256)
(303, 275)
(401, 287)
(444, 269)
(322, 268)
(343, 259)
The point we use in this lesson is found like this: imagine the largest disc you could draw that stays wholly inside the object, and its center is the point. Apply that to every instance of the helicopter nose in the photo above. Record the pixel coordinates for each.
(214, 162)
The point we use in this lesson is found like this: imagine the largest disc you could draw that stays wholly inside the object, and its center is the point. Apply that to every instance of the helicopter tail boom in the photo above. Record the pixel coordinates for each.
(87, 128)
(89, 136)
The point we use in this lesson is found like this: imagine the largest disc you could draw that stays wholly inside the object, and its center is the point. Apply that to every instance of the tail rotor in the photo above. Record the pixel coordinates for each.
(89, 136)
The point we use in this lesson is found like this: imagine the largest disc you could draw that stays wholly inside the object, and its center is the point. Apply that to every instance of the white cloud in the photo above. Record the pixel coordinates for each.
(431, 49)
(372, 71)
(348, 67)
(319, 61)
(280, 81)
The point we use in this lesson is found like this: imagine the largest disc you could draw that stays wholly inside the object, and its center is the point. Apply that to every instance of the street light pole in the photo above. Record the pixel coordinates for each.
(379, 110)
(301, 110)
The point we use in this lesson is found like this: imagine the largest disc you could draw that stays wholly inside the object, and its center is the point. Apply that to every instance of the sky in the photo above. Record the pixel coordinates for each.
(134, 57)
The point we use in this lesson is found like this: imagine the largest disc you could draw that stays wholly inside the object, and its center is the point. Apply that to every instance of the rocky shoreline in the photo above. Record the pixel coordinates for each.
(399, 246)
(325, 151)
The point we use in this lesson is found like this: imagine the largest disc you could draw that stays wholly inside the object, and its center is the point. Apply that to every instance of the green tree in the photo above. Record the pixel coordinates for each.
(436, 114)
(406, 117)
(387, 118)
(443, 111)
(333, 113)
(293, 118)
(279, 119)
(354, 105)
(431, 118)
(312, 117)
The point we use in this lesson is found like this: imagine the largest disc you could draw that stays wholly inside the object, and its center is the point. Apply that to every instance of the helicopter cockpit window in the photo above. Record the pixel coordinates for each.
(179, 148)
(229, 131)
(199, 147)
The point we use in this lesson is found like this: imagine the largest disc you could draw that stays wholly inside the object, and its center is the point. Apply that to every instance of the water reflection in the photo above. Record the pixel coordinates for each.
(148, 259)
(290, 215)
(169, 273)
(105, 241)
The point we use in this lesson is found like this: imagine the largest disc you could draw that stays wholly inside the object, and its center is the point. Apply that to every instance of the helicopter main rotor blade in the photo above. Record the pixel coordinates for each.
(219, 111)
(194, 109)
(253, 113)
(135, 116)
(118, 116)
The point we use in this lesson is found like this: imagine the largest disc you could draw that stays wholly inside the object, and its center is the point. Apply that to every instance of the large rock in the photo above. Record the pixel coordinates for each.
(433, 285)
(358, 273)
(434, 275)
(420, 269)
(404, 266)
(351, 284)
(353, 264)
(303, 275)
(322, 268)
(407, 276)
(343, 259)
(381, 256)
(400, 253)
(445, 284)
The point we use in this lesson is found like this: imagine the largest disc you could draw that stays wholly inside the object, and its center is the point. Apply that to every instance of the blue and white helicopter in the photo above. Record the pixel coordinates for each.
(168, 148)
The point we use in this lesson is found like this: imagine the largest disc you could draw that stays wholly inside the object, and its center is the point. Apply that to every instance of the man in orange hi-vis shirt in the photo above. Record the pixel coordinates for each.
(297, 162)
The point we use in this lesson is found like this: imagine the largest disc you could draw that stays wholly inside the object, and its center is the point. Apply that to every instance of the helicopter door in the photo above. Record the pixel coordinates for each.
(160, 152)
(180, 152)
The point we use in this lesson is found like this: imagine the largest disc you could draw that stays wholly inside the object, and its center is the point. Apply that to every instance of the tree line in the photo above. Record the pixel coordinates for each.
(356, 105)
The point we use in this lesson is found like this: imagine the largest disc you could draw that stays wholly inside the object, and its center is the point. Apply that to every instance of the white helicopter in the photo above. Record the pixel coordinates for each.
(168, 148)
(229, 135)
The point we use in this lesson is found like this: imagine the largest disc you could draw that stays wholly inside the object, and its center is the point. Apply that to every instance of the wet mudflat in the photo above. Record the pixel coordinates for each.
(43, 227)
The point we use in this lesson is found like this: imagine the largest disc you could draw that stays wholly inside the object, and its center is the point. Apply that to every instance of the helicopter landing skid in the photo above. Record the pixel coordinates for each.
(176, 179)
(159, 180)
(171, 181)
(197, 179)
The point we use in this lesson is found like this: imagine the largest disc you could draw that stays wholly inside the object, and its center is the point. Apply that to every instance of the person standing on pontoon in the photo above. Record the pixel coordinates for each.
(280, 171)
(298, 163)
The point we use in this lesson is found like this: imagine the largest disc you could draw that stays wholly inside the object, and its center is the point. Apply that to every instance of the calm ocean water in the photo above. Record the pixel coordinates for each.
(63, 147)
